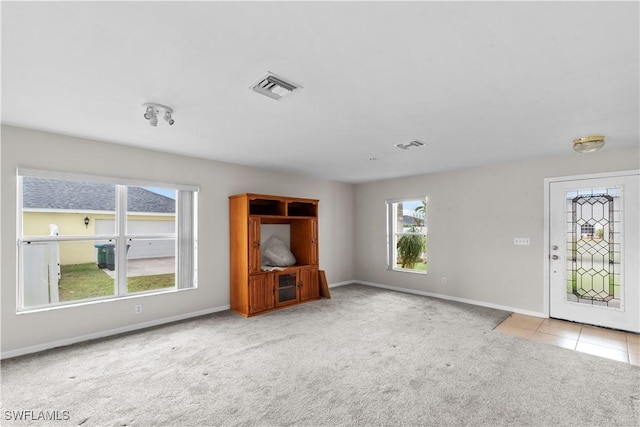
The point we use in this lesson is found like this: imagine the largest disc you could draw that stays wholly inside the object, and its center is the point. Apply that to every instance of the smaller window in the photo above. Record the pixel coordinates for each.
(407, 235)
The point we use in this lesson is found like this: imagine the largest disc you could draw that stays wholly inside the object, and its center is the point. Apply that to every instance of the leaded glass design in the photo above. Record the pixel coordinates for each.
(593, 247)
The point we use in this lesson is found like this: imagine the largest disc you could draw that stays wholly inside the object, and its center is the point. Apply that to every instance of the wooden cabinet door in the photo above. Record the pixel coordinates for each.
(309, 287)
(254, 245)
(314, 242)
(261, 293)
(287, 288)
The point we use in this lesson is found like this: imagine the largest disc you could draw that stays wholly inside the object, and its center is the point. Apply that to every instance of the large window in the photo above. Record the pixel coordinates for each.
(407, 235)
(84, 238)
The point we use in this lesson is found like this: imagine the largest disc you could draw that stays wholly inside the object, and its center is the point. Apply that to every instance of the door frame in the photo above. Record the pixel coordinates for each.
(546, 297)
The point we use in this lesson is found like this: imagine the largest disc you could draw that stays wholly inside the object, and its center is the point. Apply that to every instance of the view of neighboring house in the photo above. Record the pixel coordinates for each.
(71, 208)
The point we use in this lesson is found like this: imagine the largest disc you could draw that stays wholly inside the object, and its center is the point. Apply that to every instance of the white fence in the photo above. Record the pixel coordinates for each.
(41, 278)
(144, 248)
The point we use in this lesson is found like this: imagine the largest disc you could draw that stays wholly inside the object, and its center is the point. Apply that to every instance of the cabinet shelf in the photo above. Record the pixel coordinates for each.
(268, 207)
(291, 268)
(277, 206)
(302, 209)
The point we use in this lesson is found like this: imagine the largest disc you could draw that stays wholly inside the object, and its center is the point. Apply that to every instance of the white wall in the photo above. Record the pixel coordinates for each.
(472, 217)
(41, 150)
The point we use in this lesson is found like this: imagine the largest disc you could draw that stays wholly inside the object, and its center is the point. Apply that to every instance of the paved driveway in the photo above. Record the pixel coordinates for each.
(148, 267)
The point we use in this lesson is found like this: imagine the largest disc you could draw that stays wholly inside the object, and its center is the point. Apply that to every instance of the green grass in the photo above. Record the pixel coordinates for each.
(81, 281)
(420, 266)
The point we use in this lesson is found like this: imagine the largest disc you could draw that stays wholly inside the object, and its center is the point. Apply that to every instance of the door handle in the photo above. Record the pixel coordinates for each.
(554, 257)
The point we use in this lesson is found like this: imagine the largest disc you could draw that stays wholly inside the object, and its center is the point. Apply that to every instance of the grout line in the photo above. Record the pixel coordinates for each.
(579, 336)
(628, 351)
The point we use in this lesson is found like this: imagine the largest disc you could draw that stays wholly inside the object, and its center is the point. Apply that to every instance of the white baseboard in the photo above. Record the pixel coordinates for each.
(452, 298)
(346, 282)
(107, 333)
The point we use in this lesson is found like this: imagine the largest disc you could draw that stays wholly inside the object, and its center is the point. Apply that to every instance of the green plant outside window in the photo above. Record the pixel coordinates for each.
(407, 235)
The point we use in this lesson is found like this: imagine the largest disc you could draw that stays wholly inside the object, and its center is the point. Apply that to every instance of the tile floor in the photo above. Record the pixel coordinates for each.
(609, 343)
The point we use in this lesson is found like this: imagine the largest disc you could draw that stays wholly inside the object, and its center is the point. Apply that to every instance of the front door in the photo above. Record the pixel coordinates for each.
(594, 253)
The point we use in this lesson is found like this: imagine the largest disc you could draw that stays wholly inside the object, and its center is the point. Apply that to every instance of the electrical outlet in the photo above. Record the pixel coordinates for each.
(137, 309)
(521, 241)
(444, 280)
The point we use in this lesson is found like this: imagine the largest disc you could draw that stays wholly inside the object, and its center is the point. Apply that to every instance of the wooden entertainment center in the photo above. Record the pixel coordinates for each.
(254, 290)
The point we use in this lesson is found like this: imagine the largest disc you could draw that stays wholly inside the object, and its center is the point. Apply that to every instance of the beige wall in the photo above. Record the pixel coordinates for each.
(472, 217)
(41, 150)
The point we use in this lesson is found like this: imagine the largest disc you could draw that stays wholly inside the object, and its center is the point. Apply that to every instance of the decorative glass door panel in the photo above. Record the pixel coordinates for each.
(594, 266)
(593, 246)
(286, 288)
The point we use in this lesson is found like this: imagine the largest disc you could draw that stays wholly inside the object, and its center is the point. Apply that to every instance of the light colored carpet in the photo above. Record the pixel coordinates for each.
(366, 357)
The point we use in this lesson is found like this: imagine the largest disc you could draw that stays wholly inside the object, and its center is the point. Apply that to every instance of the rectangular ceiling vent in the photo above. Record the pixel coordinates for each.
(274, 87)
(408, 145)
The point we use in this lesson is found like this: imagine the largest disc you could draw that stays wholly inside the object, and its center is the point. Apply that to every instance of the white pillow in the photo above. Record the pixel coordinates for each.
(276, 253)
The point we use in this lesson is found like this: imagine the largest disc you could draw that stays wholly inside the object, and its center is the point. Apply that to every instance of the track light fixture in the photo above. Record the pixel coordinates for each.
(149, 113)
(153, 110)
(168, 119)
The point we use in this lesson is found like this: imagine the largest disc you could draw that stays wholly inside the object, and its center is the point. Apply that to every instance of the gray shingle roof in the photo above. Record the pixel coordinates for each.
(41, 193)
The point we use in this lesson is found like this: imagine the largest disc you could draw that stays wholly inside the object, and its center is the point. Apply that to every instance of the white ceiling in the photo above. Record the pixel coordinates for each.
(478, 82)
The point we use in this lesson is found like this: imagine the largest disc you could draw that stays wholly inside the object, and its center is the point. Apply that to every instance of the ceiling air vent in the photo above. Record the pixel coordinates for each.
(408, 145)
(274, 87)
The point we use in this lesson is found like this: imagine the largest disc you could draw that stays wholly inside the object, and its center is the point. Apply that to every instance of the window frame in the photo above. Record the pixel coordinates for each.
(392, 253)
(185, 235)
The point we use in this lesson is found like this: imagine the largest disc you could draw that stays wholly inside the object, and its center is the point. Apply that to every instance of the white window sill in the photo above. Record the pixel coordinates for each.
(71, 304)
(402, 270)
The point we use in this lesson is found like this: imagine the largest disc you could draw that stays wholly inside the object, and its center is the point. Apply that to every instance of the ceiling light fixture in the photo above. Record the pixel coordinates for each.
(274, 87)
(153, 110)
(588, 144)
